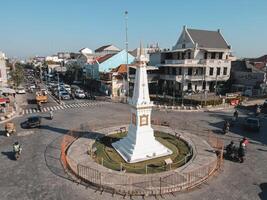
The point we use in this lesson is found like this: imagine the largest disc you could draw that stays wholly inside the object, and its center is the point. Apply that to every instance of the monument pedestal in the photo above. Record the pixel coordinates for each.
(139, 145)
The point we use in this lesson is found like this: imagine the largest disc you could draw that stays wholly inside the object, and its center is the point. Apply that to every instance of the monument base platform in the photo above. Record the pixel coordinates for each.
(133, 149)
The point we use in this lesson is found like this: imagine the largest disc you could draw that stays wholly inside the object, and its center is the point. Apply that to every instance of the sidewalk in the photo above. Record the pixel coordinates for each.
(15, 107)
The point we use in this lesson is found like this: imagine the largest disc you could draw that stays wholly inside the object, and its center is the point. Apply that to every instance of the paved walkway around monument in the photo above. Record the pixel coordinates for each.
(204, 155)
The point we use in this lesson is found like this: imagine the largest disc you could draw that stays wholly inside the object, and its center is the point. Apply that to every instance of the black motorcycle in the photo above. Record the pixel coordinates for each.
(226, 128)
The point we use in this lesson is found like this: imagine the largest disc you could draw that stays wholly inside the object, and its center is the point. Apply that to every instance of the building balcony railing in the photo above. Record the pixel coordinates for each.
(180, 78)
(197, 61)
(185, 61)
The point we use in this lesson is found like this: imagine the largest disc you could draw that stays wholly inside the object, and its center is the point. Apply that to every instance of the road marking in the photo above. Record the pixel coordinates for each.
(44, 109)
(51, 108)
(61, 107)
(25, 133)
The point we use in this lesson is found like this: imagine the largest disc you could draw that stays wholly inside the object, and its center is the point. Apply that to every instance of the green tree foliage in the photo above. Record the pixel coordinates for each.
(74, 73)
(17, 75)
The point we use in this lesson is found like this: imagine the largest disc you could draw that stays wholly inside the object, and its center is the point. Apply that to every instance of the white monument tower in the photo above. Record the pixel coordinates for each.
(140, 143)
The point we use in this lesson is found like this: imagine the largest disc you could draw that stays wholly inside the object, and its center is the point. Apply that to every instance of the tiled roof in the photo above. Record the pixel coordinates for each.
(103, 58)
(208, 39)
(121, 68)
(102, 48)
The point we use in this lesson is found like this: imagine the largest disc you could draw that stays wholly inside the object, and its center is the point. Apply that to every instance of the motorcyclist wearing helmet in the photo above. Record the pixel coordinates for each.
(51, 114)
(230, 149)
(17, 148)
(236, 114)
(241, 153)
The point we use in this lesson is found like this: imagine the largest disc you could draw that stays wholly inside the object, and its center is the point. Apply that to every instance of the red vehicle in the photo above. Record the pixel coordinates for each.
(4, 100)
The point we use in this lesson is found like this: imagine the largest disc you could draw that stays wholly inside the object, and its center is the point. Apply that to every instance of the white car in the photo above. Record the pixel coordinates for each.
(67, 87)
(79, 94)
(32, 86)
(21, 90)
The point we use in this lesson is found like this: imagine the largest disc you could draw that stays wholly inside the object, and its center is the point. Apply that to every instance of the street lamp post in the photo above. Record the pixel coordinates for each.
(183, 89)
(58, 87)
(126, 47)
(215, 89)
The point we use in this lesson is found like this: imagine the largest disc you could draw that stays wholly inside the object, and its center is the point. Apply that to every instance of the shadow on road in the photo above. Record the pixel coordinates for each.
(9, 154)
(31, 101)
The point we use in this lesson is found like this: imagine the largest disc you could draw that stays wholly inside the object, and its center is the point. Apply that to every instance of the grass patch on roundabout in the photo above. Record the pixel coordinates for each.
(106, 155)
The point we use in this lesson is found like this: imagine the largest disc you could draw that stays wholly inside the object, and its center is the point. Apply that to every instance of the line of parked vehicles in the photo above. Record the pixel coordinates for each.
(64, 91)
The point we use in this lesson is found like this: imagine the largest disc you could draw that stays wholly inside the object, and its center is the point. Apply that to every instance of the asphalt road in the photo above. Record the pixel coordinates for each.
(38, 173)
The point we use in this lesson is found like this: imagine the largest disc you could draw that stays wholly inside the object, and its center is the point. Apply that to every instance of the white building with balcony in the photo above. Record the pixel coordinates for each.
(199, 60)
(3, 70)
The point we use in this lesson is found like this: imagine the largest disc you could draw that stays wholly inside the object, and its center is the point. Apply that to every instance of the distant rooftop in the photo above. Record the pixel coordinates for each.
(109, 47)
(208, 39)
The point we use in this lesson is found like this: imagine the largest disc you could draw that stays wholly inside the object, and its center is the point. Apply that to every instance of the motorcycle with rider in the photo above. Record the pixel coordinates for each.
(17, 150)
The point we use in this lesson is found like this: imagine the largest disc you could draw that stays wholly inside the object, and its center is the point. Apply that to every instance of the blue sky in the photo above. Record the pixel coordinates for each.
(43, 27)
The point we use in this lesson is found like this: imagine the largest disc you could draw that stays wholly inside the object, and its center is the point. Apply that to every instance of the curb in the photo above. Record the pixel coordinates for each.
(189, 108)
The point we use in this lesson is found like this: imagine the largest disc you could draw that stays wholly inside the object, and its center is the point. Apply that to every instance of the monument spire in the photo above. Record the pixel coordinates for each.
(140, 143)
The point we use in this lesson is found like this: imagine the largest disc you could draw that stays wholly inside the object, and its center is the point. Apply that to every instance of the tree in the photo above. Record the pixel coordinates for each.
(74, 73)
(17, 75)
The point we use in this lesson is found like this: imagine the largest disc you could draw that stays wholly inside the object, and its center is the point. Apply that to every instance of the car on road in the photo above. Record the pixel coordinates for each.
(32, 86)
(252, 124)
(32, 122)
(74, 88)
(20, 90)
(64, 95)
(67, 87)
(80, 94)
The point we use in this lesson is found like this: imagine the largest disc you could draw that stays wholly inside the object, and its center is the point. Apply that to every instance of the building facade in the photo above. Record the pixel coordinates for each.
(247, 78)
(104, 64)
(200, 60)
(3, 70)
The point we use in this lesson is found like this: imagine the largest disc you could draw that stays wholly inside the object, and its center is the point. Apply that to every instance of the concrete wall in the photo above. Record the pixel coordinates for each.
(249, 78)
(155, 58)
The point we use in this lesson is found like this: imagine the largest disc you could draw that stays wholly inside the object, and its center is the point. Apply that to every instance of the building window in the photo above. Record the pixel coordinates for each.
(183, 46)
(189, 55)
(183, 56)
(205, 55)
(213, 54)
(211, 71)
(218, 71)
(189, 71)
(189, 86)
(173, 71)
(225, 71)
(179, 71)
(220, 55)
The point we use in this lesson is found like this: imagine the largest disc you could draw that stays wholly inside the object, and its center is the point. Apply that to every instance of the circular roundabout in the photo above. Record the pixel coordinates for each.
(92, 159)
(106, 155)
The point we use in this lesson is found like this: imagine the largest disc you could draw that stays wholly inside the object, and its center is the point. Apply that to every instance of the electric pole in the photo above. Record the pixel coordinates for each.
(126, 47)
